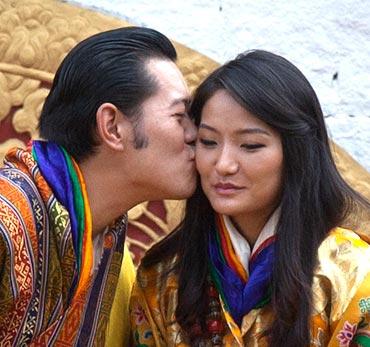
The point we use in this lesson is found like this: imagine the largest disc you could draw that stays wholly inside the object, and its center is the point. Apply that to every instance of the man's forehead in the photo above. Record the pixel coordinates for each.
(172, 89)
(166, 72)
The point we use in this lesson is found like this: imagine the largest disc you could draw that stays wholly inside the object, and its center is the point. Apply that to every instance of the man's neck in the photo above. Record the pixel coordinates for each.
(108, 195)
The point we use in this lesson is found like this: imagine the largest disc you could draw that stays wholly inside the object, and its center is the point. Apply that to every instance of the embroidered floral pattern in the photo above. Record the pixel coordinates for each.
(142, 334)
(346, 335)
(362, 337)
(364, 305)
(139, 315)
(137, 340)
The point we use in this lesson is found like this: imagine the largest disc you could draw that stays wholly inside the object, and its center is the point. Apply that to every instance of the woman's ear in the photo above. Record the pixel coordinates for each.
(113, 127)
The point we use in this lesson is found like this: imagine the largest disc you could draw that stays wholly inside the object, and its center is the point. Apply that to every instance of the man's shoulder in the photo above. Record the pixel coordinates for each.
(21, 179)
(17, 188)
(21, 203)
(18, 170)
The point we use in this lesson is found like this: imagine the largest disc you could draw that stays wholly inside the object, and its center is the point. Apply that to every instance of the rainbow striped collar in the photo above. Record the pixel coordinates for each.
(65, 179)
(241, 289)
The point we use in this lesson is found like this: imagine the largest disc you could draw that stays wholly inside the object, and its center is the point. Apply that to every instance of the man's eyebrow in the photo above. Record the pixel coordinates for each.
(185, 101)
(238, 132)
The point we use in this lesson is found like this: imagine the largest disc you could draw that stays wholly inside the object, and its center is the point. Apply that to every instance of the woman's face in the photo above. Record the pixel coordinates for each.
(239, 159)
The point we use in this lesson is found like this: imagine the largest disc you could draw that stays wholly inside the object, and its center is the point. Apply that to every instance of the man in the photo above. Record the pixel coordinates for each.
(117, 133)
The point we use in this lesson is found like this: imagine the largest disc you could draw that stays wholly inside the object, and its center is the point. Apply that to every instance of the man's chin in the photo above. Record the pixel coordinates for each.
(190, 191)
(187, 191)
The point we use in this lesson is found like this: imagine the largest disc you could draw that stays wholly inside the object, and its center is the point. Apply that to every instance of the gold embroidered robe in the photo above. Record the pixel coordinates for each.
(341, 302)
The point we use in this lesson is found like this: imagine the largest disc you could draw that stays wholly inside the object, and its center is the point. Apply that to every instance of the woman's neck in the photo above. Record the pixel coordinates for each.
(250, 226)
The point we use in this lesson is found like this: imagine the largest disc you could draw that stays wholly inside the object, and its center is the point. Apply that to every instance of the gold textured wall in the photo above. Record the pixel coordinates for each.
(35, 35)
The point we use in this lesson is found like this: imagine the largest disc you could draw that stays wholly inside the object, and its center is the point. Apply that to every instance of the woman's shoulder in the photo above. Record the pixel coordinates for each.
(343, 259)
(344, 245)
(342, 269)
(156, 275)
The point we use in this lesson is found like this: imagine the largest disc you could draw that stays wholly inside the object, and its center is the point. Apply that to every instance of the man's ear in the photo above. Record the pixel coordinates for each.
(113, 127)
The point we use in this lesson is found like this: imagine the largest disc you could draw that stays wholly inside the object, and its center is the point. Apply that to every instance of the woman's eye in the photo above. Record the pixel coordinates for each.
(207, 143)
(251, 147)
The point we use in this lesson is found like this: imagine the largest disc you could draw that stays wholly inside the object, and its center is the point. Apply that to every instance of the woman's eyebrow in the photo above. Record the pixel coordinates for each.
(238, 132)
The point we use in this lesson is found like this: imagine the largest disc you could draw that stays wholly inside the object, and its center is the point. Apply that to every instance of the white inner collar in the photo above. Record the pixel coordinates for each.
(241, 245)
(98, 243)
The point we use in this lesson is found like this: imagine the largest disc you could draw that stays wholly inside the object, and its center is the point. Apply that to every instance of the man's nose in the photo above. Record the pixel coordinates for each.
(190, 131)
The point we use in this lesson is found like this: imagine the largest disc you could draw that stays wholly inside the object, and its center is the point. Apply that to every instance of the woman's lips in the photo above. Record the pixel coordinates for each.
(226, 188)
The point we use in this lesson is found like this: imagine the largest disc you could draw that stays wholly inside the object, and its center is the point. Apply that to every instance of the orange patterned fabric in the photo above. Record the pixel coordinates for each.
(38, 265)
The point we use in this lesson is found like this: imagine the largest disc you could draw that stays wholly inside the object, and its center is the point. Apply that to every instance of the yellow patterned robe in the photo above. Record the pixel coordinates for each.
(341, 302)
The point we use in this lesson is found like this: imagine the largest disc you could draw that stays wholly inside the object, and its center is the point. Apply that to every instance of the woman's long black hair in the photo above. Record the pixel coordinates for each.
(314, 199)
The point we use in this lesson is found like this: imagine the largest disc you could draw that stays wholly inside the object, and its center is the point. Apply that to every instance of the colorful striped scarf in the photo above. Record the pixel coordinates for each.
(65, 179)
(239, 292)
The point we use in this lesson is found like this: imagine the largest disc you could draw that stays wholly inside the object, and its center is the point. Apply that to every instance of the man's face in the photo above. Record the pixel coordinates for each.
(164, 168)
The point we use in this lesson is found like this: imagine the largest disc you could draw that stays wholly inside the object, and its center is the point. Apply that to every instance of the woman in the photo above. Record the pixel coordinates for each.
(260, 259)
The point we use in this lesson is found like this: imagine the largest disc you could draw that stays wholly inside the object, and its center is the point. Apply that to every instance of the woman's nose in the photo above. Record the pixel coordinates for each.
(226, 163)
